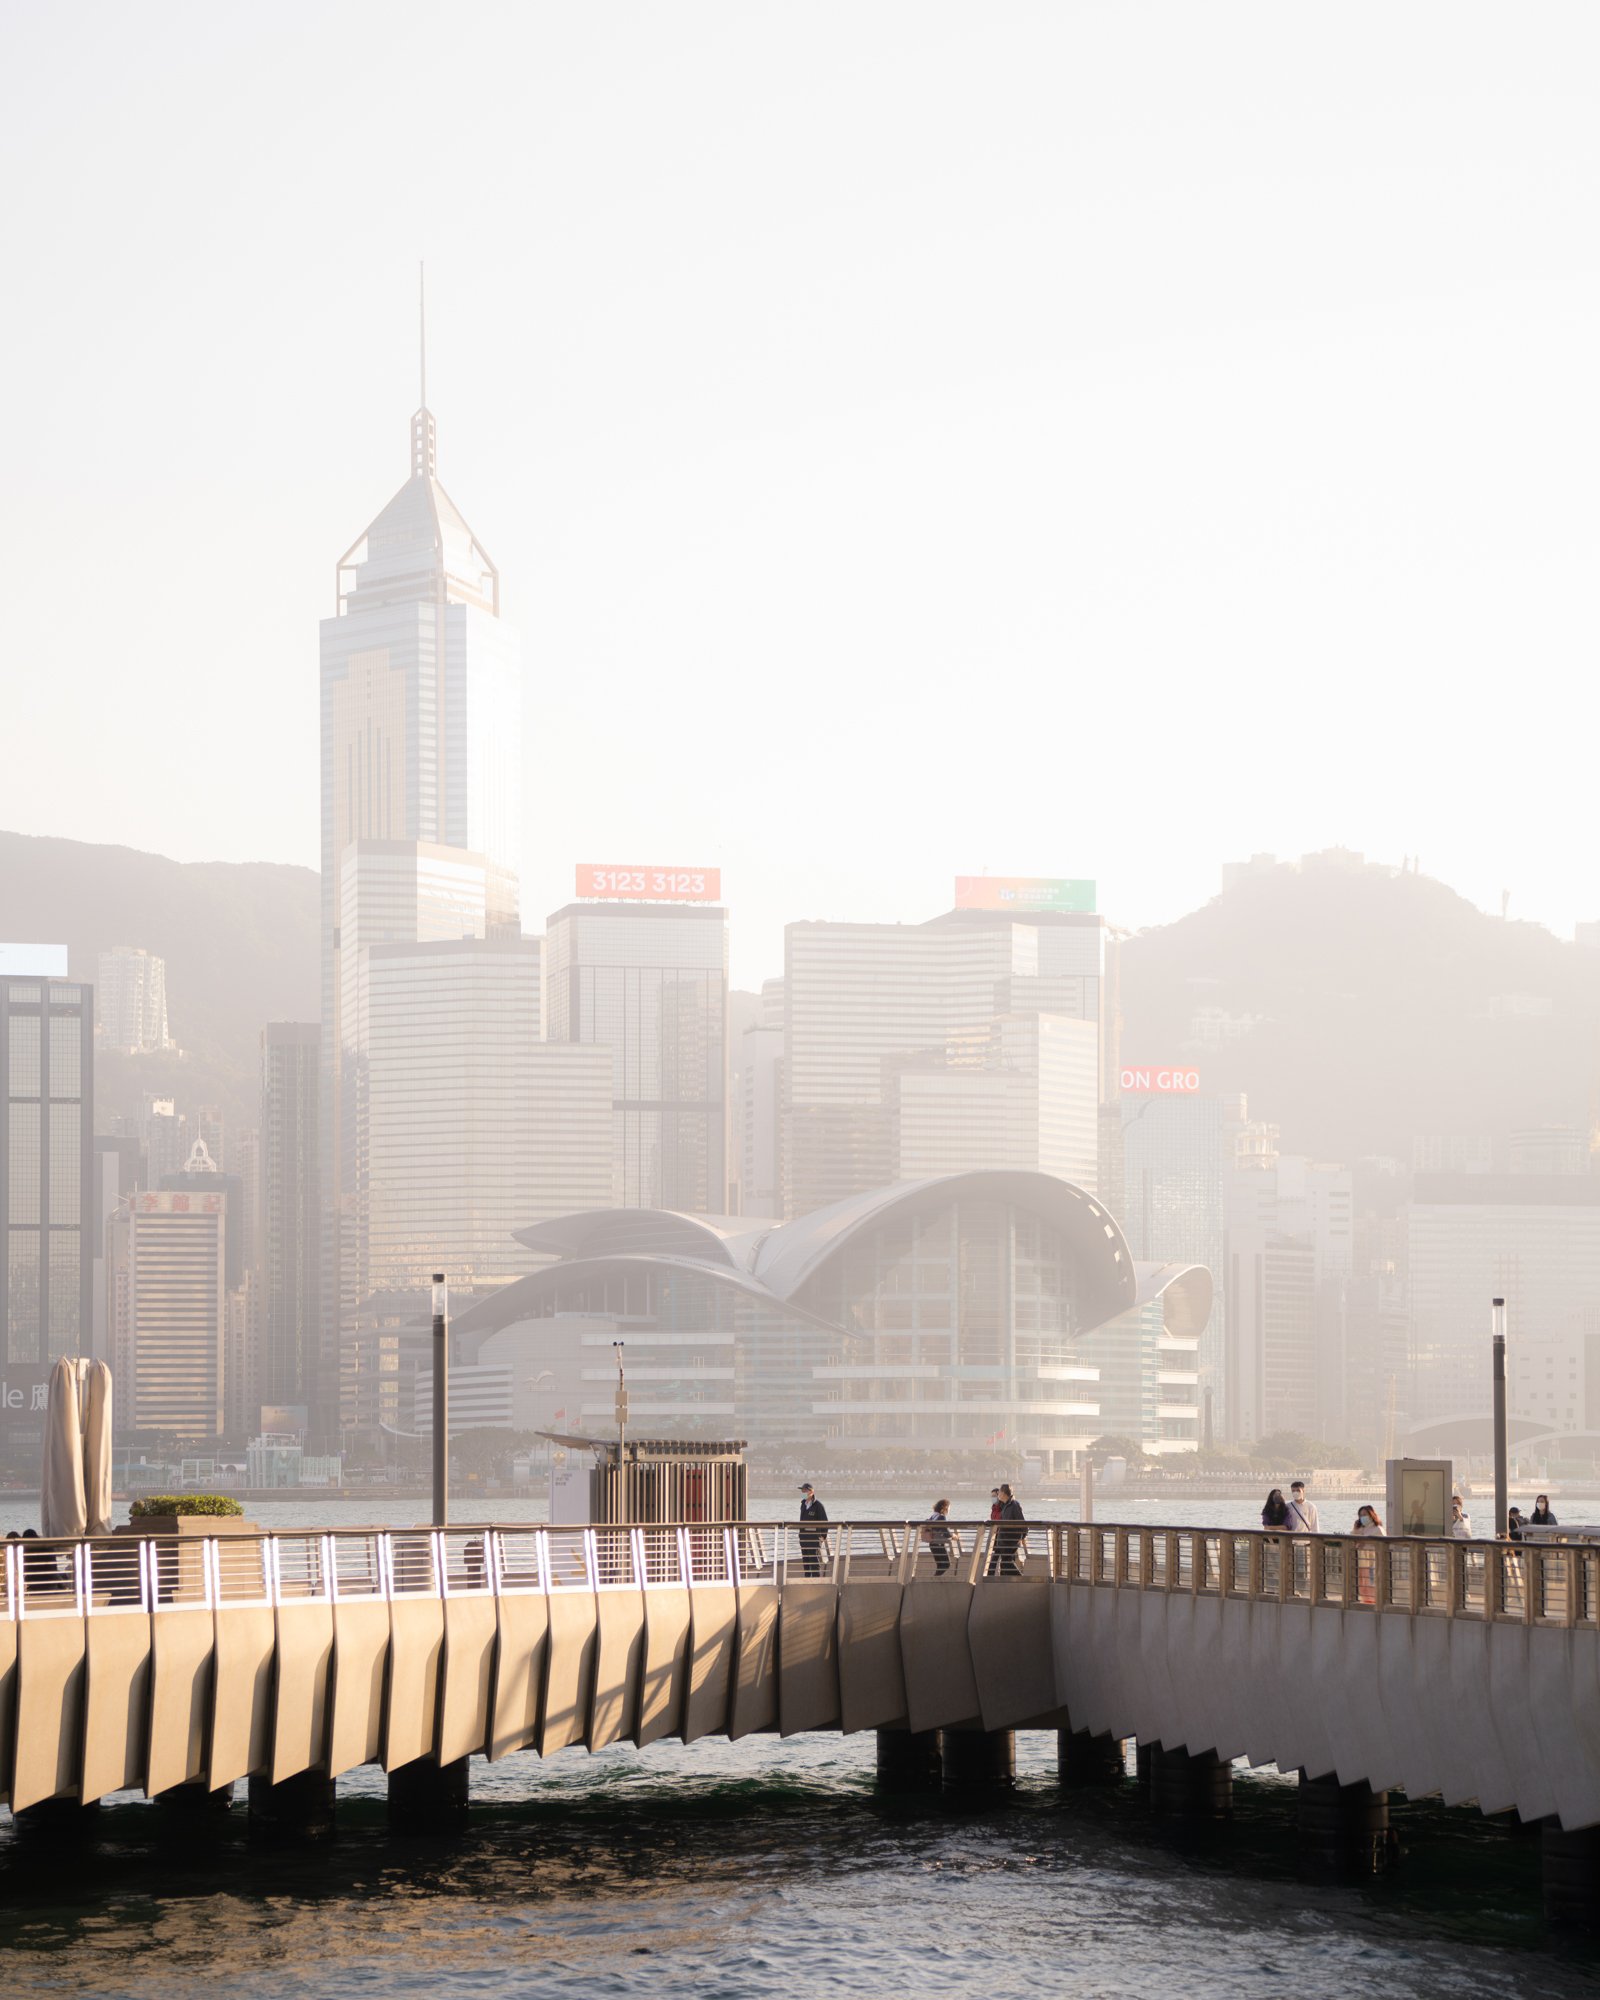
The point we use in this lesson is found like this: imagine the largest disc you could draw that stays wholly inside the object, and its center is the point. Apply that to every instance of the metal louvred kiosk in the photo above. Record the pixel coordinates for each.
(647, 1482)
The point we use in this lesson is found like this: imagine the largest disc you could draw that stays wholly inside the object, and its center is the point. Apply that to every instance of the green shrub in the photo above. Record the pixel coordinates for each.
(184, 1503)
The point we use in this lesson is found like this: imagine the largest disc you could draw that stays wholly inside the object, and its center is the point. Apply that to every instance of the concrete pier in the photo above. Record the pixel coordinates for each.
(1571, 1874)
(978, 1760)
(1344, 1829)
(1082, 1759)
(59, 1819)
(425, 1797)
(197, 1798)
(908, 1760)
(1185, 1787)
(297, 1808)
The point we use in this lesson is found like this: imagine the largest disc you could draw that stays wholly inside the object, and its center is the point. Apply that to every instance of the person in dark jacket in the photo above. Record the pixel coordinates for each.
(936, 1533)
(1276, 1512)
(813, 1541)
(1009, 1536)
(1541, 1517)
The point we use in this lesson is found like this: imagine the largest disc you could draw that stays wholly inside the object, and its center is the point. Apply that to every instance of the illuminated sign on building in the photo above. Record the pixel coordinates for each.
(1023, 892)
(649, 885)
(1166, 1082)
(33, 961)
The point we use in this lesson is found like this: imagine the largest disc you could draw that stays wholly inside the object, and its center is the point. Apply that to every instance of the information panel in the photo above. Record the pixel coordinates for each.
(649, 885)
(1023, 892)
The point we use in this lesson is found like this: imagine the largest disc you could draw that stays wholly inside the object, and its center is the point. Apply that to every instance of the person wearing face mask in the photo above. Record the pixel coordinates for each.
(1368, 1522)
(1541, 1517)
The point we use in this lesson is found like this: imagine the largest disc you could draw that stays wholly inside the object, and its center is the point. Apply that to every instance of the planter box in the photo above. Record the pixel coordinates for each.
(180, 1578)
(189, 1524)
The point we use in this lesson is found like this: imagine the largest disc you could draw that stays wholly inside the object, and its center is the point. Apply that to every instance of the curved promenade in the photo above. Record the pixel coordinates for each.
(1466, 1669)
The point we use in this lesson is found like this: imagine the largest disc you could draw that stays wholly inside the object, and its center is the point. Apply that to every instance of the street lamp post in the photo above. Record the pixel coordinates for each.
(1501, 1481)
(441, 1401)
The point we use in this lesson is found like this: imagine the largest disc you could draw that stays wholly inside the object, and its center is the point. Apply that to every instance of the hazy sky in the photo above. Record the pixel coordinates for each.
(1065, 439)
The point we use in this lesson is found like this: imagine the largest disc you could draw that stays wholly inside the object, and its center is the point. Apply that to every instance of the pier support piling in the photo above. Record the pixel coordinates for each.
(1344, 1829)
(1571, 1874)
(978, 1760)
(197, 1798)
(297, 1808)
(908, 1760)
(1082, 1759)
(59, 1819)
(425, 1797)
(1185, 1787)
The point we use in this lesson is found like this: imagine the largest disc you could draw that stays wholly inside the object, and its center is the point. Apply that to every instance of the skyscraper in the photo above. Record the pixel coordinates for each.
(47, 1190)
(291, 1215)
(650, 982)
(421, 742)
(170, 1252)
(131, 1001)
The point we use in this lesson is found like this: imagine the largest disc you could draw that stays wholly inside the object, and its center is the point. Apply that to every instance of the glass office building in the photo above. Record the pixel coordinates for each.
(47, 1194)
(650, 982)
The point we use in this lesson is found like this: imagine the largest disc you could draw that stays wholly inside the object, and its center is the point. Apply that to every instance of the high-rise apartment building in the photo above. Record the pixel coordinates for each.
(47, 1180)
(170, 1250)
(421, 743)
(1175, 1151)
(164, 1134)
(291, 1215)
(1023, 1095)
(649, 981)
(131, 1001)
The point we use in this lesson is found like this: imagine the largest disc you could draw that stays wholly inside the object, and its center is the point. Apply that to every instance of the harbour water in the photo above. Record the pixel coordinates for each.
(768, 1867)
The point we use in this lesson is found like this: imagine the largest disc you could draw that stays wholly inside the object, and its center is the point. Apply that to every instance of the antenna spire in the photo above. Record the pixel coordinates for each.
(424, 438)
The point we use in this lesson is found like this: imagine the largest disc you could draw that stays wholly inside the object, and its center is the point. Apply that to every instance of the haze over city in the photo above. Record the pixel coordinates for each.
(799, 1000)
(1029, 442)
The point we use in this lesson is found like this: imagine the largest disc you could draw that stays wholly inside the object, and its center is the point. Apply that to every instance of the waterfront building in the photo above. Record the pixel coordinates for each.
(47, 1174)
(649, 981)
(1174, 1150)
(946, 1314)
(291, 1359)
(131, 1001)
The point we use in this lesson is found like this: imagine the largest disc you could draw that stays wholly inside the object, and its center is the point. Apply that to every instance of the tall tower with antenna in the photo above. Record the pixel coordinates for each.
(421, 742)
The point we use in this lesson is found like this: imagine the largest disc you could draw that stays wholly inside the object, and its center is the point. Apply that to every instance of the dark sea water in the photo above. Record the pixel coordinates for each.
(772, 1868)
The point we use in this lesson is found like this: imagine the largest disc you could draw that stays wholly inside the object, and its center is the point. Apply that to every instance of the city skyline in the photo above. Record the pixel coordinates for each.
(666, 414)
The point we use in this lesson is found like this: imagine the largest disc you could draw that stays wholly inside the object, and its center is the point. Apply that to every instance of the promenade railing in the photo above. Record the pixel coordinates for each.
(1540, 1584)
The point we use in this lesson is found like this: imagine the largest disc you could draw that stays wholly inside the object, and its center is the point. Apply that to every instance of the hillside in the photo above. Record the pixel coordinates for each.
(1386, 1006)
(240, 942)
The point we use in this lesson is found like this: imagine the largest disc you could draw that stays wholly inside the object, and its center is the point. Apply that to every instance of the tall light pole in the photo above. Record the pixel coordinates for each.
(441, 1401)
(1498, 1323)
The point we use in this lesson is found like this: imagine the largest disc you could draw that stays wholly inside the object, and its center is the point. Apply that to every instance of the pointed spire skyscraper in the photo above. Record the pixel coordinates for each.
(421, 742)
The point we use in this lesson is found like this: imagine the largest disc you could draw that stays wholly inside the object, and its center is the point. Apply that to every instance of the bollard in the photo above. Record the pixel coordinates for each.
(978, 1760)
(1344, 1829)
(425, 1797)
(1185, 1787)
(1571, 1874)
(297, 1808)
(908, 1760)
(1082, 1759)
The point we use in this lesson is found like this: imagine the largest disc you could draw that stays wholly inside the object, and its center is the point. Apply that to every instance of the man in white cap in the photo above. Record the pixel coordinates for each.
(812, 1540)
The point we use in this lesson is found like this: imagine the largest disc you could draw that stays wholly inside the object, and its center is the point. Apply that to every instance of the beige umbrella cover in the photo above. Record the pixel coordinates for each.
(97, 1448)
(61, 1503)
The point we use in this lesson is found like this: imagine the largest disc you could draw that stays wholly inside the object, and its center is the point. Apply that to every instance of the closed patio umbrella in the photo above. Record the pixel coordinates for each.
(97, 1449)
(62, 1510)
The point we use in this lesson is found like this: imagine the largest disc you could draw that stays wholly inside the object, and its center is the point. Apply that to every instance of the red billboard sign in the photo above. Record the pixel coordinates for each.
(649, 885)
(1160, 1082)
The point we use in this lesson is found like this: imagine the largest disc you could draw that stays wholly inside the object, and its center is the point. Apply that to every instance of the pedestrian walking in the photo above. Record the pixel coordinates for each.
(1010, 1537)
(1368, 1522)
(1275, 1514)
(1541, 1517)
(994, 1503)
(936, 1532)
(1302, 1513)
(813, 1540)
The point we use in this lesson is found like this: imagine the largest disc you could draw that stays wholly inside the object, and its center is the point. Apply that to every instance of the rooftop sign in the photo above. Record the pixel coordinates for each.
(649, 885)
(33, 961)
(1161, 1082)
(1022, 893)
